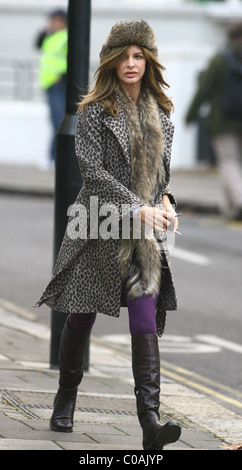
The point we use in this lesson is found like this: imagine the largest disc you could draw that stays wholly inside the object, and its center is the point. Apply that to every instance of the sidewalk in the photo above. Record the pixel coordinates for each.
(105, 417)
(198, 189)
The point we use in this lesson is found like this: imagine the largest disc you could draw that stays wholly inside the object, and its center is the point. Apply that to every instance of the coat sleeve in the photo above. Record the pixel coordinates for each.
(90, 151)
(168, 132)
(169, 193)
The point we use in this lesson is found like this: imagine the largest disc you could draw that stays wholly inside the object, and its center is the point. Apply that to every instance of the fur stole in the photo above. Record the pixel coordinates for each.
(140, 257)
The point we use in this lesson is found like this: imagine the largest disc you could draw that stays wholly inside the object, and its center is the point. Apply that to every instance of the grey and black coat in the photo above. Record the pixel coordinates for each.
(125, 162)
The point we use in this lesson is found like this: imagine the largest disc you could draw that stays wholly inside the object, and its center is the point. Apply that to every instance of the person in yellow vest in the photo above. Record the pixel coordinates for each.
(53, 44)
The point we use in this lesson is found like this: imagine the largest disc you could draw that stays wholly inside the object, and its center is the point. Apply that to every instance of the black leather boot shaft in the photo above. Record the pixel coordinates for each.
(146, 371)
(72, 350)
(71, 354)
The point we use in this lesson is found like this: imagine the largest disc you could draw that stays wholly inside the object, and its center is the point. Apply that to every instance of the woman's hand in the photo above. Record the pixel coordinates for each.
(159, 219)
(167, 206)
(155, 218)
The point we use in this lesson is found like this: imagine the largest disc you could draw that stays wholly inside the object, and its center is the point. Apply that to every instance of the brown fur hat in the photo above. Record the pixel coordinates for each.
(128, 33)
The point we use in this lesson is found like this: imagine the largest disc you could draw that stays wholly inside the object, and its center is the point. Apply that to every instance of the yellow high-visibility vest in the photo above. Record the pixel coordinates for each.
(53, 63)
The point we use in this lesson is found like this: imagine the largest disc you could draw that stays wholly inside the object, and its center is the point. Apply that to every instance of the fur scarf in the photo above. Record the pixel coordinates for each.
(140, 257)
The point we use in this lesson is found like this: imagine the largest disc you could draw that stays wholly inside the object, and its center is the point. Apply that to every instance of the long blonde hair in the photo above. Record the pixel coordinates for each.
(106, 81)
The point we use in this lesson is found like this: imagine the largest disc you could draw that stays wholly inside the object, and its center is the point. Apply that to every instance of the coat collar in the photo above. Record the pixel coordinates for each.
(118, 126)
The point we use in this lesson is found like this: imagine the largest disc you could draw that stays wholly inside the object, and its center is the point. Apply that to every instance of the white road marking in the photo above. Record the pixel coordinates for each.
(3, 358)
(9, 320)
(190, 256)
(189, 347)
(34, 365)
(183, 344)
(22, 312)
(169, 344)
(220, 342)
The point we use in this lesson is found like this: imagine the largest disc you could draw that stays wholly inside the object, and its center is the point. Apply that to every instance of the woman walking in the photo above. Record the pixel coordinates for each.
(123, 145)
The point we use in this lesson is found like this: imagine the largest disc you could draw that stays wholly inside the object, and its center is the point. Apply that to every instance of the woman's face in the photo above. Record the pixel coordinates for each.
(131, 68)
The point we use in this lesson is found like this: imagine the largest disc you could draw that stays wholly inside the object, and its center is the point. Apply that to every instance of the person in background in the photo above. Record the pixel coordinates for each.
(52, 42)
(224, 121)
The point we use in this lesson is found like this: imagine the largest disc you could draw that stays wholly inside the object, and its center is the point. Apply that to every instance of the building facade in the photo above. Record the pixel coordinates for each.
(188, 32)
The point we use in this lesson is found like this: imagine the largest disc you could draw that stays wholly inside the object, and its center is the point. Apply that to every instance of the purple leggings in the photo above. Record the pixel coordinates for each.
(142, 317)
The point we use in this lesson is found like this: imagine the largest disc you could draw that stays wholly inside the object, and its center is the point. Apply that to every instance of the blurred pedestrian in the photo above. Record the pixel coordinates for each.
(123, 144)
(221, 87)
(52, 43)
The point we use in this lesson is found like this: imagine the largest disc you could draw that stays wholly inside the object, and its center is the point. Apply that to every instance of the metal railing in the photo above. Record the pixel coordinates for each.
(19, 80)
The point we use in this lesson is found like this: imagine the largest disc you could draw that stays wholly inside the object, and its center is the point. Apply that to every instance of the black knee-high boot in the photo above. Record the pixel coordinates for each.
(72, 350)
(146, 371)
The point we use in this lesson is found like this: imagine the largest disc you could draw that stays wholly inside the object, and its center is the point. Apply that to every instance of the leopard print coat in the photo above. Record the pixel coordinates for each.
(87, 275)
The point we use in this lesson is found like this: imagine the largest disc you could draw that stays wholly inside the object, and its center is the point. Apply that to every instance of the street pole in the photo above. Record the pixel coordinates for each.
(68, 179)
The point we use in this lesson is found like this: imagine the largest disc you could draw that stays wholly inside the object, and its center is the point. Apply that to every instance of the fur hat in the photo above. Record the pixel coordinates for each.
(128, 33)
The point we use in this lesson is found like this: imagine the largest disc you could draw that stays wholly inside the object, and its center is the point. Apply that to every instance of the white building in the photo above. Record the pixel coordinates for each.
(188, 32)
